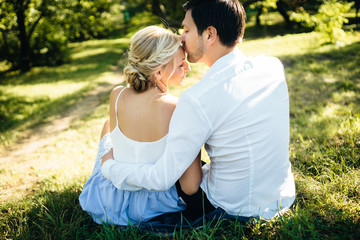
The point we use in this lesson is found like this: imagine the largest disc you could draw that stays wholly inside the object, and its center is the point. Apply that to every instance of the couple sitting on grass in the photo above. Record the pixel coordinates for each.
(148, 170)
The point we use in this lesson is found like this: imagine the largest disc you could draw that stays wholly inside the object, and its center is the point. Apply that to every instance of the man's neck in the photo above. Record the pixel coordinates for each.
(216, 53)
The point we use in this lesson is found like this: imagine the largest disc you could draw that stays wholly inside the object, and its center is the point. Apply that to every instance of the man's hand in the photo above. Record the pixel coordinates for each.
(107, 156)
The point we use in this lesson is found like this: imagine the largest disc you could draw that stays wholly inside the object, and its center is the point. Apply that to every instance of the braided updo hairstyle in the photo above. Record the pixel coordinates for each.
(150, 49)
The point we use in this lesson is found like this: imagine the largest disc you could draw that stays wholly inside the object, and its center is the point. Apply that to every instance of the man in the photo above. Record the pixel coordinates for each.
(239, 110)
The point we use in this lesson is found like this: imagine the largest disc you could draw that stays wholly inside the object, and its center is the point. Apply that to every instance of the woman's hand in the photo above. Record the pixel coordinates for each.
(107, 156)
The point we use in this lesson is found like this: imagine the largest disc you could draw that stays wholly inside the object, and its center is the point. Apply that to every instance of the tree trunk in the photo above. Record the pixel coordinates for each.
(158, 9)
(281, 7)
(24, 61)
(6, 45)
(258, 14)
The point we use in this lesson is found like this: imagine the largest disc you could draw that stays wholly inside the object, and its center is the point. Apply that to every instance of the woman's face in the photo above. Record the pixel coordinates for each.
(181, 66)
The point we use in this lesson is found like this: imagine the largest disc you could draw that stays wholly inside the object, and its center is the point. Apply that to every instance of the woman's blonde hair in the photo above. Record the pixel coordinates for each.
(150, 49)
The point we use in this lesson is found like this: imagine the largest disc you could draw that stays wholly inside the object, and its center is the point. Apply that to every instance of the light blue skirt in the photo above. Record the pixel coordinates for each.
(107, 204)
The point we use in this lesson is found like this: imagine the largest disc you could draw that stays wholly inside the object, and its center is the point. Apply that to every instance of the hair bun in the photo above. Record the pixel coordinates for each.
(150, 49)
(136, 79)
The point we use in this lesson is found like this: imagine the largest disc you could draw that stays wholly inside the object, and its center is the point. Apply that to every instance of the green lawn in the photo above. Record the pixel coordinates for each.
(324, 86)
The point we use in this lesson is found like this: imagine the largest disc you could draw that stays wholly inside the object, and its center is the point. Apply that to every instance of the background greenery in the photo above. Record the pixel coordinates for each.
(39, 190)
(36, 32)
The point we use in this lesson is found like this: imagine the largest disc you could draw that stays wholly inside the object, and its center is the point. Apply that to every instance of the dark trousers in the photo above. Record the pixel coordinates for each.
(198, 204)
(198, 211)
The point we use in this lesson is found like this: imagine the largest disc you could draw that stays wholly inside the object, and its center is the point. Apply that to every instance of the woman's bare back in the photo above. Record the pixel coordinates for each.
(142, 117)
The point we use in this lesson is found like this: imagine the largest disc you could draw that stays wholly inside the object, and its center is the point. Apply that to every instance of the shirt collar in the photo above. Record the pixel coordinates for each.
(224, 61)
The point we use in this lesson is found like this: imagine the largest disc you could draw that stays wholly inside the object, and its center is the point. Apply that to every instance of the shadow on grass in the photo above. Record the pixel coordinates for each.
(14, 106)
(268, 31)
(314, 78)
(58, 215)
(91, 60)
(53, 215)
(324, 106)
(318, 208)
(81, 69)
(324, 144)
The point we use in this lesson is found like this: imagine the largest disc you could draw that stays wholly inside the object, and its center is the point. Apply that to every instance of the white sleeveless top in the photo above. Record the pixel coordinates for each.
(132, 151)
(106, 203)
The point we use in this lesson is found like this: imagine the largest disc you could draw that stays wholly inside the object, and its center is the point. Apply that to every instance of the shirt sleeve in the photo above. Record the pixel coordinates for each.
(189, 128)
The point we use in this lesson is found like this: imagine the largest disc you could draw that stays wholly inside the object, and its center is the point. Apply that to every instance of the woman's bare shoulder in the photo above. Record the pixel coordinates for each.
(115, 92)
(170, 100)
(169, 103)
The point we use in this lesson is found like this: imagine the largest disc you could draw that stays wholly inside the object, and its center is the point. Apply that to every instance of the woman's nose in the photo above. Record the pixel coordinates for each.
(186, 66)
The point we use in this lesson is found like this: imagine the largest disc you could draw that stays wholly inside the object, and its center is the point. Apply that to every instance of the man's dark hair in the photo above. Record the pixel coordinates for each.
(227, 16)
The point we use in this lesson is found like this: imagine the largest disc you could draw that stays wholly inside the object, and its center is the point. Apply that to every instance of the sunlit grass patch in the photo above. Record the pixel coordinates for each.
(291, 44)
(281, 45)
(29, 99)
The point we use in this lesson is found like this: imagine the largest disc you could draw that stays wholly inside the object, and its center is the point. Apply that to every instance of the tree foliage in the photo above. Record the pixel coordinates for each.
(35, 32)
(328, 20)
(86, 19)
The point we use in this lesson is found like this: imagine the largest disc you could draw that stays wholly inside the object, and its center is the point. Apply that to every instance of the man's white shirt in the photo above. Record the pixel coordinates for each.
(240, 111)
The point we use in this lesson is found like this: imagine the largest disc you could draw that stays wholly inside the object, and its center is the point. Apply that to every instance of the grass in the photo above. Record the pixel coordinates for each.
(33, 98)
(324, 86)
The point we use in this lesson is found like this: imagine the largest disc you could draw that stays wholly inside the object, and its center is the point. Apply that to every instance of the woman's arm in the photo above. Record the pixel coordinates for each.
(110, 124)
(191, 179)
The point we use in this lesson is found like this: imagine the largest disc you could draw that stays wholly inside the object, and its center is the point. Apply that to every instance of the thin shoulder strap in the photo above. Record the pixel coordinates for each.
(117, 99)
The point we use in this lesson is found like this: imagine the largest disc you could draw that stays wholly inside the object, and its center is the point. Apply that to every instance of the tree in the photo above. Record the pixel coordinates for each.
(168, 10)
(16, 11)
(284, 7)
(328, 20)
(35, 32)
(356, 5)
(86, 19)
(7, 22)
(20, 20)
(172, 12)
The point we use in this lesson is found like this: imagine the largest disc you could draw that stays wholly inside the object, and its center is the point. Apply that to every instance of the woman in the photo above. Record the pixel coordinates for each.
(139, 121)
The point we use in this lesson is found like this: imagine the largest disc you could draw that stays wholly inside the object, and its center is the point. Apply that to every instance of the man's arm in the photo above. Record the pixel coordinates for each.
(189, 129)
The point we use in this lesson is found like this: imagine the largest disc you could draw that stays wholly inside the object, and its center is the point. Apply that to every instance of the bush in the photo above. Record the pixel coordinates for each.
(328, 20)
(82, 20)
(49, 46)
(34, 33)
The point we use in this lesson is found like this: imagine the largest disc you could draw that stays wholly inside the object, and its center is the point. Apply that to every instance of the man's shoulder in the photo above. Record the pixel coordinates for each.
(196, 92)
(265, 61)
(262, 66)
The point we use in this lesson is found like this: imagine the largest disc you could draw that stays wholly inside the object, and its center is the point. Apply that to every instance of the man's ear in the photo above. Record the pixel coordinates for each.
(211, 35)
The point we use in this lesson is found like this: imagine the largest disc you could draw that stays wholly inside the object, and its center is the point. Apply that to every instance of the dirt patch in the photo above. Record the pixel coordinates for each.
(13, 157)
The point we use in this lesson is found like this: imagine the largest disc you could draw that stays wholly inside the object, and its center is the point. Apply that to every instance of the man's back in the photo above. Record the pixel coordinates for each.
(246, 107)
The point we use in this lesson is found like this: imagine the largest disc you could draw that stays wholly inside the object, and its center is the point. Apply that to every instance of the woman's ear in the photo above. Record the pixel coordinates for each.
(158, 75)
(159, 78)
